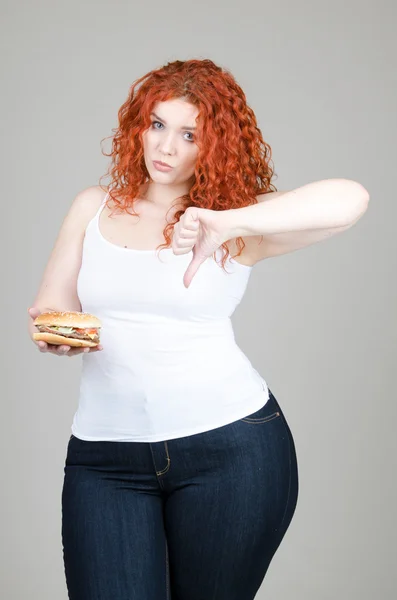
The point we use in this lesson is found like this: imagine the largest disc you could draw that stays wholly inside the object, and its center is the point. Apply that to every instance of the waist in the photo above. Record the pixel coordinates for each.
(154, 377)
(154, 338)
(159, 404)
(160, 353)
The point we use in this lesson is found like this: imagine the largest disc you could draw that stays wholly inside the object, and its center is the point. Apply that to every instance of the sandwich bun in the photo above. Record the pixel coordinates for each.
(68, 319)
(58, 340)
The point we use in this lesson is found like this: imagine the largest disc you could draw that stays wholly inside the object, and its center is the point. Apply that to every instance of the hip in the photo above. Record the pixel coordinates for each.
(259, 441)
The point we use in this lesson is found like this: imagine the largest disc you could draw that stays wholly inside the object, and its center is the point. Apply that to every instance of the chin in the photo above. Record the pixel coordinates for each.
(160, 177)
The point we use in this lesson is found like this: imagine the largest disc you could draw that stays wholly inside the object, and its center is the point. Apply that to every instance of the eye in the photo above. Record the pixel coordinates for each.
(158, 123)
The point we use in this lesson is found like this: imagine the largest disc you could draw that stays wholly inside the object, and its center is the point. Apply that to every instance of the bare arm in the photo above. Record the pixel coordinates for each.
(283, 222)
(58, 287)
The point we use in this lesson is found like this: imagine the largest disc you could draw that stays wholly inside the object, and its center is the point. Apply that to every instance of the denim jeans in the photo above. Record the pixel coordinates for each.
(193, 518)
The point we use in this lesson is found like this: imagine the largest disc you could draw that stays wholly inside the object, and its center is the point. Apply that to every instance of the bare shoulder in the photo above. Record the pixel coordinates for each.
(58, 288)
(87, 202)
(248, 256)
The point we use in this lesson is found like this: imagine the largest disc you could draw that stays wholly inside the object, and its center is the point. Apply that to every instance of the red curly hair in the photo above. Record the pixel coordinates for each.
(233, 164)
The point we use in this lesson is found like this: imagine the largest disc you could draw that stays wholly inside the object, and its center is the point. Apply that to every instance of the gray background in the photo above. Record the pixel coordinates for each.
(319, 324)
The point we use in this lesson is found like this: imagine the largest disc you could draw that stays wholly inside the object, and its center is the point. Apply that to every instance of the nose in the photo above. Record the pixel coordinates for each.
(167, 145)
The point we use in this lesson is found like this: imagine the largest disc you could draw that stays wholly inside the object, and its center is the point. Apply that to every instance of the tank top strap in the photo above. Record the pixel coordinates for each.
(105, 198)
(101, 207)
(93, 223)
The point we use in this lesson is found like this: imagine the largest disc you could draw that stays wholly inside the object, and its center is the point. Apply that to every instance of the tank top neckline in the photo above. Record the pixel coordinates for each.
(116, 246)
(135, 250)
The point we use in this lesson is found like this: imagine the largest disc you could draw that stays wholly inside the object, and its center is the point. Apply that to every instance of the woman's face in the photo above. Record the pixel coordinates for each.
(170, 139)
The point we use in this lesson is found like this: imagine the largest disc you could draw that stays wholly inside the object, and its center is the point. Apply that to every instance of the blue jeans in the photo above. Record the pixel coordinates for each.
(193, 518)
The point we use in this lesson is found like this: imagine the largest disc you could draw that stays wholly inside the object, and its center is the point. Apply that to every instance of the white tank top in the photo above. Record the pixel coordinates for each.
(170, 366)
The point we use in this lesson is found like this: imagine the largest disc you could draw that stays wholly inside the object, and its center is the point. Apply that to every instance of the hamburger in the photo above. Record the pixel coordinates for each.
(70, 328)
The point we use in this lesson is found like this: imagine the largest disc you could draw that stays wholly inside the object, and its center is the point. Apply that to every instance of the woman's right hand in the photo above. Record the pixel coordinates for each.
(59, 350)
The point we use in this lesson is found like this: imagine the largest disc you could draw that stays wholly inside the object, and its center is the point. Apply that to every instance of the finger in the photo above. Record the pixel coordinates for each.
(186, 242)
(63, 349)
(74, 351)
(45, 347)
(81, 350)
(191, 225)
(190, 220)
(53, 348)
(188, 233)
(33, 312)
(191, 271)
(179, 251)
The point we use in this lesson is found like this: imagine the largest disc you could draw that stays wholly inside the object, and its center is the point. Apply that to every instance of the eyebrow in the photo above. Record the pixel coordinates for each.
(162, 120)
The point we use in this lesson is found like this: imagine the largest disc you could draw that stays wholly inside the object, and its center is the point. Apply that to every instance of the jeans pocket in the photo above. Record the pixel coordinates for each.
(267, 412)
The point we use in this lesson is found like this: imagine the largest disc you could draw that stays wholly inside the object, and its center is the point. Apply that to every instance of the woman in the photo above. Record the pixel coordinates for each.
(181, 474)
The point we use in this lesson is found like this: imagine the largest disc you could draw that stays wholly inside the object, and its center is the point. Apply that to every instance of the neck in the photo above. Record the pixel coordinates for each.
(164, 196)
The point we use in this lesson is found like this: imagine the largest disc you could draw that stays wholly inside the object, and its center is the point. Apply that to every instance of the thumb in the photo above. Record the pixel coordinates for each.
(193, 214)
(34, 312)
(192, 270)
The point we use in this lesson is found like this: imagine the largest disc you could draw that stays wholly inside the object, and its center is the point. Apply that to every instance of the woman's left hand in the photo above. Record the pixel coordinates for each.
(201, 230)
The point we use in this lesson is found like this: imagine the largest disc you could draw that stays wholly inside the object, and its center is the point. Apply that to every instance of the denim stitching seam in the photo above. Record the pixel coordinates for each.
(289, 485)
(168, 461)
(263, 420)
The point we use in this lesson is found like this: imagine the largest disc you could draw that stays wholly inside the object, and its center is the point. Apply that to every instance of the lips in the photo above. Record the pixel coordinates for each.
(162, 163)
